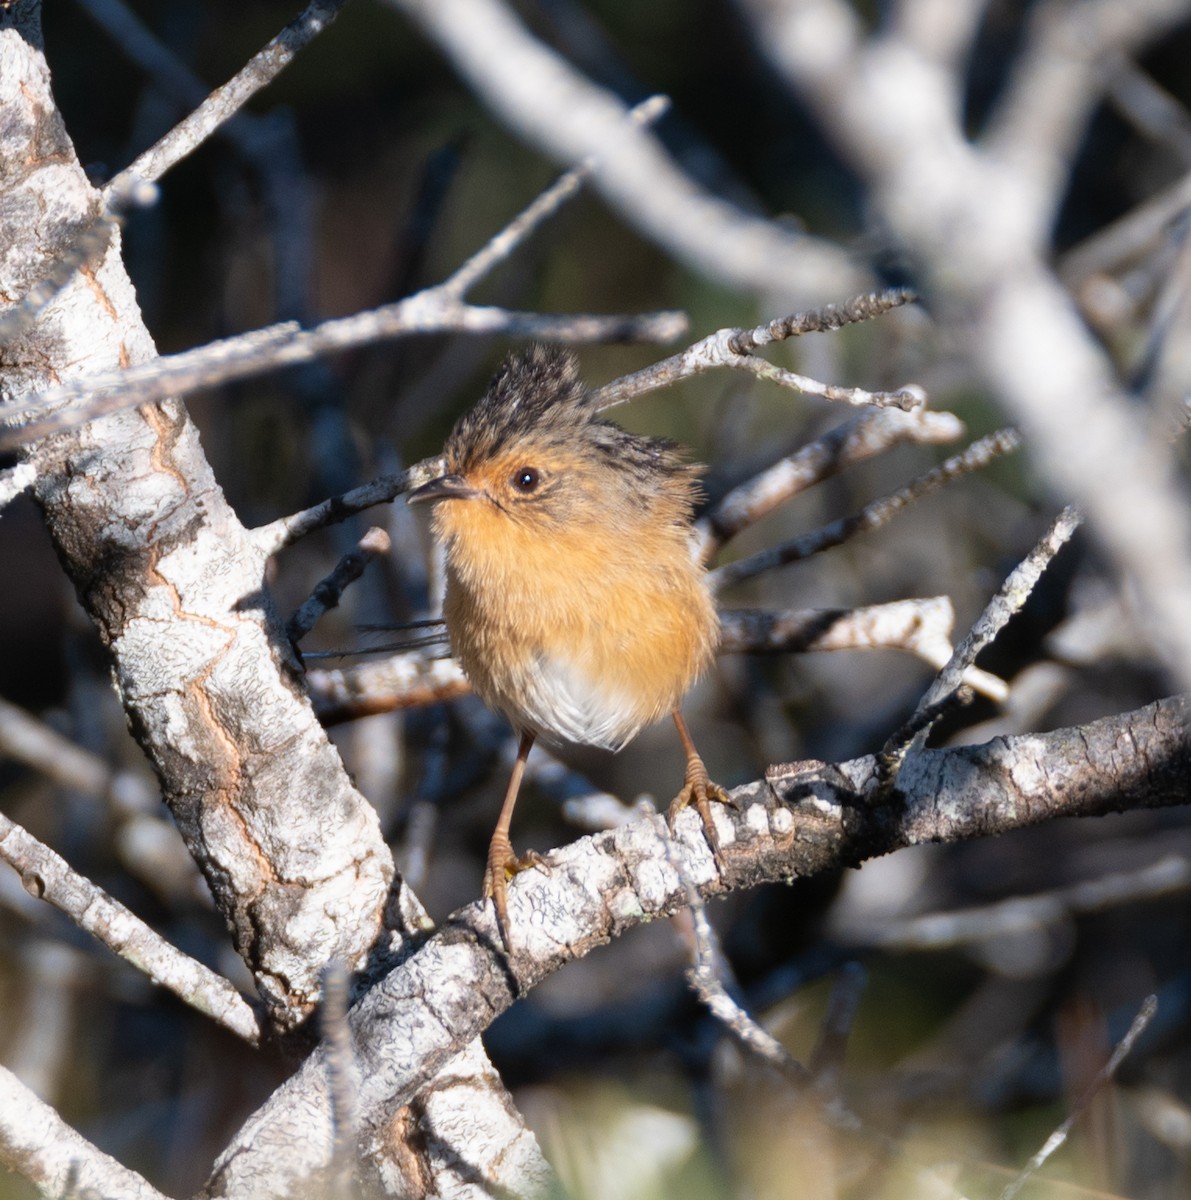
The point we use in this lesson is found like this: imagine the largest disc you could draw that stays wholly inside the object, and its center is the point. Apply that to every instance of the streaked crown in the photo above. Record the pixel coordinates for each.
(536, 433)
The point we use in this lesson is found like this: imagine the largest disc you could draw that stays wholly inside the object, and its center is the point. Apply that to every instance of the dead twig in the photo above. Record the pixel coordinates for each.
(872, 516)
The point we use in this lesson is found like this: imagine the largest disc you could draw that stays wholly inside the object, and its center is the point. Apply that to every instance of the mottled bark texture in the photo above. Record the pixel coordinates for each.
(293, 854)
(804, 818)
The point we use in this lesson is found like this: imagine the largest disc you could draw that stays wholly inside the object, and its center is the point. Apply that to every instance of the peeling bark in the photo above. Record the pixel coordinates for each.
(293, 854)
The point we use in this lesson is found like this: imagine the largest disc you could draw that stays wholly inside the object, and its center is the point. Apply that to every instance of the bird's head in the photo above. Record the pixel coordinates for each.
(535, 452)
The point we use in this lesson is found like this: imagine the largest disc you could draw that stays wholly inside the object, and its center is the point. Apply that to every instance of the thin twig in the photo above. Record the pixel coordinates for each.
(921, 627)
(545, 206)
(708, 986)
(1145, 1015)
(922, 720)
(855, 441)
(342, 1074)
(726, 347)
(1152, 109)
(873, 515)
(827, 319)
(49, 877)
(287, 345)
(329, 591)
(705, 976)
(931, 932)
(400, 682)
(1130, 237)
(827, 1058)
(228, 99)
(535, 90)
(1014, 592)
(283, 532)
(907, 398)
(25, 739)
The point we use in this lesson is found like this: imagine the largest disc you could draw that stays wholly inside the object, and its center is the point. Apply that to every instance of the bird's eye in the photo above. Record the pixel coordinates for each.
(526, 479)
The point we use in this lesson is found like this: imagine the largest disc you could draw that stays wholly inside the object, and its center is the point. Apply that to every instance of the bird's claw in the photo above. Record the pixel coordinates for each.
(503, 864)
(698, 792)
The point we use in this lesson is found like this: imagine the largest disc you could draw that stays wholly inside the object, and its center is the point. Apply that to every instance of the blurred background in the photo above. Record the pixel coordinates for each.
(367, 171)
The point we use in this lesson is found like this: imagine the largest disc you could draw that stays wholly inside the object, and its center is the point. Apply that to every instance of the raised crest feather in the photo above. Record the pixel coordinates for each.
(538, 392)
(537, 404)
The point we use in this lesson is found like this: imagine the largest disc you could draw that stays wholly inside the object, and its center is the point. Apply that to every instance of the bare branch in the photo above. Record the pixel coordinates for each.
(1025, 914)
(920, 627)
(707, 972)
(1151, 108)
(48, 877)
(329, 591)
(827, 319)
(1058, 79)
(283, 532)
(873, 515)
(976, 223)
(1129, 237)
(803, 818)
(399, 682)
(731, 347)
(543, 97)
(34, 743)
(853, 442)
(941, 30)
(38, 1145)
(541, 210)
(827, 1058)
(893, 754)
(225, 101)
(1014, 592)
(291, 851)
(287, 345)
(906, 398)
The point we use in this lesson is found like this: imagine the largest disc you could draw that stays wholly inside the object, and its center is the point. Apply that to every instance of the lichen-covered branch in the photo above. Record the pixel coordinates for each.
(801, 819)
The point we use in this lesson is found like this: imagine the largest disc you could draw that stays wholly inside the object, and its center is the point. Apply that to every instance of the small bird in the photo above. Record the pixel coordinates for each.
(575, 600)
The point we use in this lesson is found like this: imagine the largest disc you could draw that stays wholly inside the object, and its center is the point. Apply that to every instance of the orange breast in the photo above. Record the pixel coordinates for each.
(579, 635)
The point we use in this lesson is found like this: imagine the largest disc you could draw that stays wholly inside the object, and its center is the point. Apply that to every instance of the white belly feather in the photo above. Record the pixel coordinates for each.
(560, 703)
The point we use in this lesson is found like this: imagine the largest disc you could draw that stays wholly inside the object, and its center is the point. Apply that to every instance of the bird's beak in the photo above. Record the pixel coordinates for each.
(445, 487)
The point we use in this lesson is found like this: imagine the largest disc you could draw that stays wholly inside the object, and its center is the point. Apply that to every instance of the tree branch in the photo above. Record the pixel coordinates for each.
(36, 1143)
(225, 101)
(49, 877)
(974, 220)
(803, 818)
(550, 104)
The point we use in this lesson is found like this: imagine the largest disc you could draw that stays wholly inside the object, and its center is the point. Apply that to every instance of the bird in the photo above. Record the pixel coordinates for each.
(576, 602)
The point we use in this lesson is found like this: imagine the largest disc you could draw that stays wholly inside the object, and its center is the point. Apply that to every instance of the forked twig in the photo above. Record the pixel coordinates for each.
(733, 348)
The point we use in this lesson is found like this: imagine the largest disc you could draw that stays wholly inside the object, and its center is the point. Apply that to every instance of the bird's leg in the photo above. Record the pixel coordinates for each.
(698, 791)
(503, 864)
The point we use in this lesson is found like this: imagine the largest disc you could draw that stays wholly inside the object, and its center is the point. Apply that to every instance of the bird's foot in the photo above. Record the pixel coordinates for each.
(698, 792)
(503, 864)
